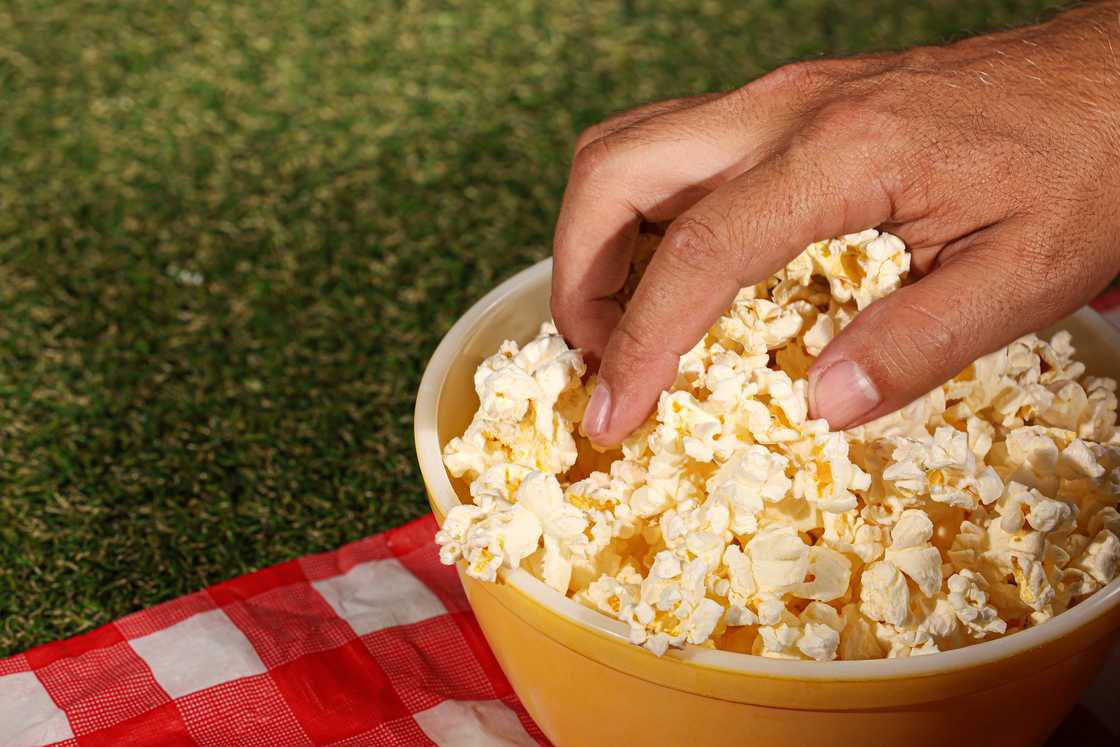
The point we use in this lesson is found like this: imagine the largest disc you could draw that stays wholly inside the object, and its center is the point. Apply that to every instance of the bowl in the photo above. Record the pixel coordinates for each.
(585, 684)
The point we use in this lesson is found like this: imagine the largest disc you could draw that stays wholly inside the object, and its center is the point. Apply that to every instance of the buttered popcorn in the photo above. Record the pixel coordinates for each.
(732, 520)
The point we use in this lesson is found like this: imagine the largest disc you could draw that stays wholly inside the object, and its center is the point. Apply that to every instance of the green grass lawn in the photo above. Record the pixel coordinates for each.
(231, 235)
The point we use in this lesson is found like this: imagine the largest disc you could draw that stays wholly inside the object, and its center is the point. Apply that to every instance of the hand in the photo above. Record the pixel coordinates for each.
(996, 159)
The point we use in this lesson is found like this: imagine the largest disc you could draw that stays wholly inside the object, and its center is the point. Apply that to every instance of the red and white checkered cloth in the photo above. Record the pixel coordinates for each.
(1108, 305)
(372, 644)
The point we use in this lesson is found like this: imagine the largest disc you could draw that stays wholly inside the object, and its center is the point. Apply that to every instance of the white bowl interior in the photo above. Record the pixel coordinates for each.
(516, 308)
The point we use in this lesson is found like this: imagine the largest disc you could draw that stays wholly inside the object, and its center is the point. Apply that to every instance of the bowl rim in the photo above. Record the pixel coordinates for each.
(429, 455)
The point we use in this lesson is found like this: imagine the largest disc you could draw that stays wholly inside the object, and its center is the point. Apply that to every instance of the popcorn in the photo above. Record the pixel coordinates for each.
(827, 577)
(884, 595)
(490, 535)
(753, 477)
(819, 642)
(1034, 587)
(902, 642)
(969, 599)
(827, 478)
(779, 559)
(862, 267)
(732, 519)
(911, 553)
(1025, 509)
(561, 525)
(857, 637)
(685, 427)
(943, 467)
(1102, 557)
(778, 641)
(758, 324)
(815, 634)
(1077, 461)
(517, 421)
(740, 575)
(941, 624)
(850, 533)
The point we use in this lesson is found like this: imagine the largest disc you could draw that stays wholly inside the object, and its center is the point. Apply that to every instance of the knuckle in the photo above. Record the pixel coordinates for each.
(1043, 280)
(592, 160)
(739, 101)
(1036, 262)
(630, 344)
(695, 245)
(631, 348)
(861, 129)
(588, 136)
(915, 340)
(814, 79)
(863, 117)
(921, 58)
(923, 327)
(805, 78)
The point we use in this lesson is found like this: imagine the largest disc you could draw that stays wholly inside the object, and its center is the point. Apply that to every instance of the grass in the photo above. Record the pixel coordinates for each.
(232, 233)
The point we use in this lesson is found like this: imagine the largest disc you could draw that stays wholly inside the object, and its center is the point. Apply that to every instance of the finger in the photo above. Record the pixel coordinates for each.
(638, 114)
(649, 170)
(656, 162)
(736, 237)
(915, 339)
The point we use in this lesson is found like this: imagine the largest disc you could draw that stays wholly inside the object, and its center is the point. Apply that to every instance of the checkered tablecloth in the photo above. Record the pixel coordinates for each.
(372, 644)
(1108, 305)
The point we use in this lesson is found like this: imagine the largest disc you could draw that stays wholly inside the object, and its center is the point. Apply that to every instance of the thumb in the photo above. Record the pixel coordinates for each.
(902, 346)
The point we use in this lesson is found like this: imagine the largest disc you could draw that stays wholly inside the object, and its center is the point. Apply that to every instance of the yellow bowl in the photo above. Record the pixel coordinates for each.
(584, 684)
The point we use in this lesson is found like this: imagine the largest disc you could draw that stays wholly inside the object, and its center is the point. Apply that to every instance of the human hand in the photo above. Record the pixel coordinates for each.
(996, 159)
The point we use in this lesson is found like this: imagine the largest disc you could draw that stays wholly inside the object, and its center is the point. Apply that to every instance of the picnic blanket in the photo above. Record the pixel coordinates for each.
(372, 644)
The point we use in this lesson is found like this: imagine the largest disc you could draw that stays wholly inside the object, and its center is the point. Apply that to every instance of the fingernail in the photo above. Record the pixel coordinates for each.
(841, 394)
(597, 416)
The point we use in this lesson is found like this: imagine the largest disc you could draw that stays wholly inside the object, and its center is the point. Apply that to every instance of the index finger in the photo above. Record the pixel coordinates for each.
(737, 236)
(651, 169)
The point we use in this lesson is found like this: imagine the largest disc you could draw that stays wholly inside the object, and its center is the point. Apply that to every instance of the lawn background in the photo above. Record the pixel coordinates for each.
(231, 235)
